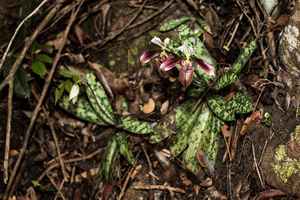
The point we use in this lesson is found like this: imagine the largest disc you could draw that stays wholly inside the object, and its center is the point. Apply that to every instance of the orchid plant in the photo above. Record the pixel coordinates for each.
(186, 53)
(190, 130)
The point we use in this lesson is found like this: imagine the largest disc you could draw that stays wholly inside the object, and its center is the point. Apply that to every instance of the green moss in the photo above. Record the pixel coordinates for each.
(284, 166)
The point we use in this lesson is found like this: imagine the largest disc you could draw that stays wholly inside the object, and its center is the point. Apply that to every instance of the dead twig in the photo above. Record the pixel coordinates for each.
(147, 157)
(57, 188)
(102, 43)
(151, 16)
(59, 192)
(17, 30)
(229, 182)
(158, 187)
(71, 160)
(8, 130)
(227, 46)
(256, 167)
(131, 175)
(61, 162)
(43, 95)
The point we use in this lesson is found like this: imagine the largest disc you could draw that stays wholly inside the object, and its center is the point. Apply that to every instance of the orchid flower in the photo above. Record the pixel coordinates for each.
(147, 56)
(169, 63)
(207, 68)
(186, 73)
(157, 41)
(186, 50)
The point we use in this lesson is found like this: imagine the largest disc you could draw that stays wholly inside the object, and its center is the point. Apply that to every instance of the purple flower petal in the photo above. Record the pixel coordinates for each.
(169, 63)
(147, 56)
(207, 68)
(186, 73)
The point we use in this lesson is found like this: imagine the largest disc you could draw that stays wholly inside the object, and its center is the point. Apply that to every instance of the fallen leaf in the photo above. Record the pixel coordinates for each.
(56, 43)
(253, 118)
(149, 107)
(268, 194)
(164, 107)
(13, 152)
(74, 93)
(75, 58)
(207, 182)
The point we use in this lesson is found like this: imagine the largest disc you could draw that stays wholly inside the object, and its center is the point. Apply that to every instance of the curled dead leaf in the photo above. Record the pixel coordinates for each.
(207, 182)
(253, 118)
(149, 106)
(164, 107)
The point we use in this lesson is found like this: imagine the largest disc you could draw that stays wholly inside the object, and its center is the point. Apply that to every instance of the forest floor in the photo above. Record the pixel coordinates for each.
(54, 154)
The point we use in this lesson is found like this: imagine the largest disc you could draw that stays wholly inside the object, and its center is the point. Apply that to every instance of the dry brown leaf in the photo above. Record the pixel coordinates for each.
(164, 107)
(207, 182)
(253, 118)
(75, 58)
(13, 152)
(149, 107)
(56, 43)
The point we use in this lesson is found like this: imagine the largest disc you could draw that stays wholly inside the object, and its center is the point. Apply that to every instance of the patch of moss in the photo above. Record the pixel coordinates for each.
(284, 166)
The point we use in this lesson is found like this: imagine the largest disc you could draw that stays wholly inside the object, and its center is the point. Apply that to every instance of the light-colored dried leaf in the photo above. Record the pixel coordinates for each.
(149, 107)
(164, 107)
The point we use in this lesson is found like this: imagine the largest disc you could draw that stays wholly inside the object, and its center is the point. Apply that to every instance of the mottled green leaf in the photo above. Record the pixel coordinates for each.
(195, 130)
(136, 126)
(44, 58)
(99, 100)
(219, 107)
(82, 109)
(232, 75)
(241, 103)
(164, 129)
(227, 110)
(185, 120)
(39, 68)
(124, 147)
(172, 24)
(110, 155)
(204, 136)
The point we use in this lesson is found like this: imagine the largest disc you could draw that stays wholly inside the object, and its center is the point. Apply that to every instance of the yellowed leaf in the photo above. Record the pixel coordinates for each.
(149, 106)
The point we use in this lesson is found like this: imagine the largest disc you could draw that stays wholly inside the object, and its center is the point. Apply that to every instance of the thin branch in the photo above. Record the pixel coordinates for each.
(8, 130)
(61, 162)
(257, 167)
(151, 16)
(17, 30)
(112, 37)
(131, 175)
(158, 187)
(39, 104)
(71, 160)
